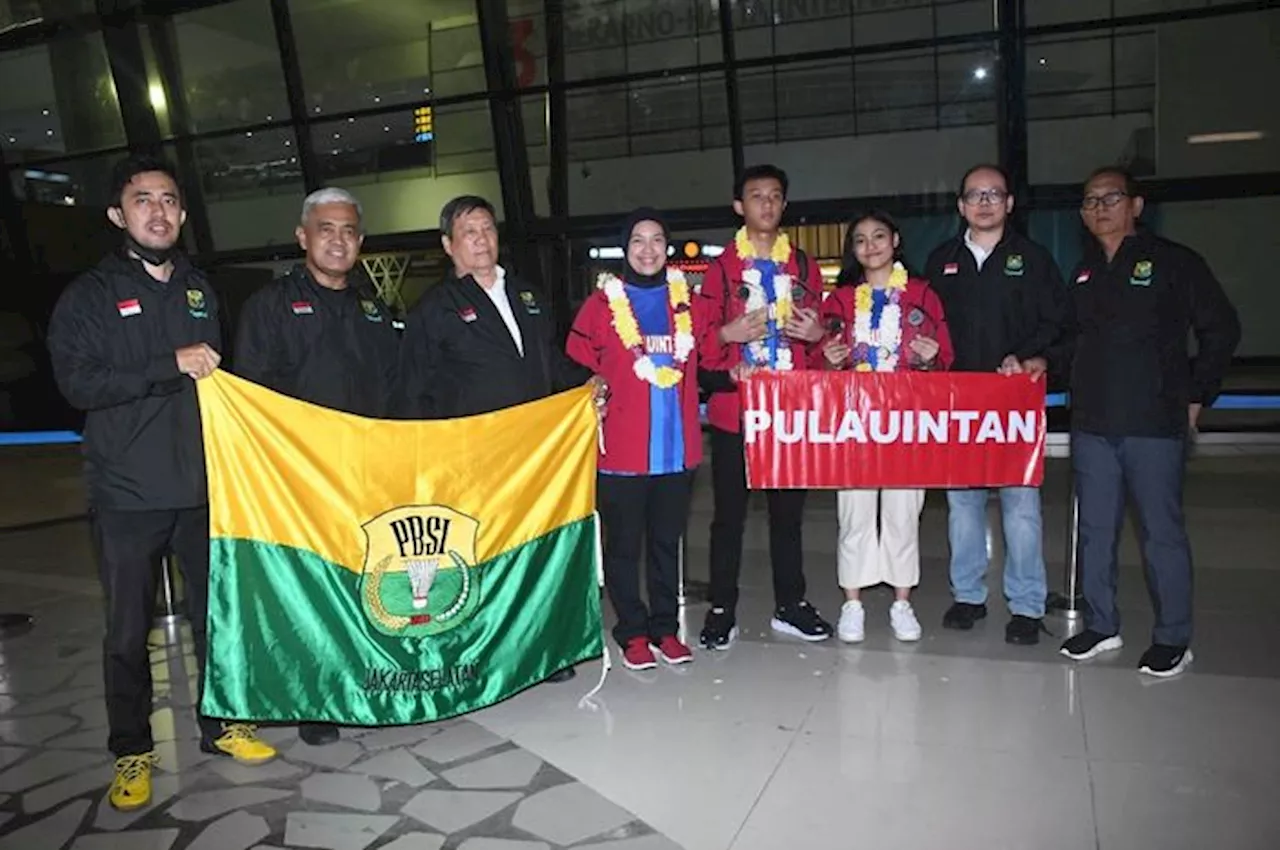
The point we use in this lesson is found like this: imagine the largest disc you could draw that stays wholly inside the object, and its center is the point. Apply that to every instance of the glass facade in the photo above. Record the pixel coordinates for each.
(566, 112)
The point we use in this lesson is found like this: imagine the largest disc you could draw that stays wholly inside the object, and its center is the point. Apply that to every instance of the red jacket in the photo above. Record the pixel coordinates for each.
(723, 302)
(929, 319)
(595, 344)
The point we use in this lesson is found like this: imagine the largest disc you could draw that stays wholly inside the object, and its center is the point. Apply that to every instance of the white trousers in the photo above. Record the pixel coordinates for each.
(865, 558)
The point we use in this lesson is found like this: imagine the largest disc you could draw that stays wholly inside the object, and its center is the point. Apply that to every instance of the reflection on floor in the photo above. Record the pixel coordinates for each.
(959, 741)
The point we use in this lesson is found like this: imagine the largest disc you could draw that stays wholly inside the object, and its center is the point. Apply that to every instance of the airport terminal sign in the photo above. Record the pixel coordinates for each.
(912, 429)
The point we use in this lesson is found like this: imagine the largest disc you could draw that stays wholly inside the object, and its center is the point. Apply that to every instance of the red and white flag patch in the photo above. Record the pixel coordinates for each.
(302, 308)
(1083, 277)
(468, 314)
(129, 307)
(951, 268)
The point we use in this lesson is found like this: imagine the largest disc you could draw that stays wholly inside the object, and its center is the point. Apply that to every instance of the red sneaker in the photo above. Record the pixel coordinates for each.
(672, 651)
(636, 655)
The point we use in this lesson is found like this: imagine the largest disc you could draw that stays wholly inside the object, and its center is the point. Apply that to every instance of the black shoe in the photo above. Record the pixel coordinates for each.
(962, 616)
(801, 620)
(1023, 631)
(1163, 661)
(318, 734)
(719, 630)
(562, 675)
(1089, 643)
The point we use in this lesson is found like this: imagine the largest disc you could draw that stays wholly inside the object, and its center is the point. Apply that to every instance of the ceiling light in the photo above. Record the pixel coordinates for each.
(980, 73)
(1218, 138)
(155, 93)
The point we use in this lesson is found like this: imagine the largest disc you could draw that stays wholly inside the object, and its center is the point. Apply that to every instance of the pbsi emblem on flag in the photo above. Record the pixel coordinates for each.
(420, 576)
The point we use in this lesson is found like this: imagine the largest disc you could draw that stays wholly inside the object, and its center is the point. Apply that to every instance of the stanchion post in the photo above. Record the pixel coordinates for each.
(167, 617)
(1067, 603)
(680, 559)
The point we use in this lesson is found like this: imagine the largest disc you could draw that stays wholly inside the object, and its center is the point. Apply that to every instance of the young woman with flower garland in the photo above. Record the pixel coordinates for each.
(639, 332)
(883, 320)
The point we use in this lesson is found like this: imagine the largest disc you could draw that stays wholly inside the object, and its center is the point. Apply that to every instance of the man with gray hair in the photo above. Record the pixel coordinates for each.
(321, 333)
(482, 340)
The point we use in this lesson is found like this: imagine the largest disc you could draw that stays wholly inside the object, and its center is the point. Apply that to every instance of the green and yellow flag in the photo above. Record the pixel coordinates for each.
(373, 572)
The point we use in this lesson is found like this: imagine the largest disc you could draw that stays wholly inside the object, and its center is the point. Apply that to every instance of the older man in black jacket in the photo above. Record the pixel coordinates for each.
(1136, 393)
(482, 340)
(321, 333)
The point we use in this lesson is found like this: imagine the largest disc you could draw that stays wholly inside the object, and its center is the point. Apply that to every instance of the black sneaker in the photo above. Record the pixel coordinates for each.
(801, 620)
(962, 616)
(1163, 661)
(1023, 631)
(719, 630)
(1088, 643)
(564, 675)
(318, 734)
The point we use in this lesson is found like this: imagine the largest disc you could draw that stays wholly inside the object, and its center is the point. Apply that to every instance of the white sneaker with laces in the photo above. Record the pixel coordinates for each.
(853, 620)
(903, 620)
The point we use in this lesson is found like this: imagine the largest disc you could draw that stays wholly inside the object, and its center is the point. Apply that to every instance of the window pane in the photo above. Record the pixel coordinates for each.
(610, 37)
(404, 181)
(1158, 99)
(230, 66)
(642, 145)
(253, 187)
(358, 55)
(786, 27)
(1045, 12)
(66, 102)
(19, 13)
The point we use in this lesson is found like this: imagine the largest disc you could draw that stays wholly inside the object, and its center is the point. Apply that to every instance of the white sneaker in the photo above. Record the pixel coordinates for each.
(853, 622)
(903, 620)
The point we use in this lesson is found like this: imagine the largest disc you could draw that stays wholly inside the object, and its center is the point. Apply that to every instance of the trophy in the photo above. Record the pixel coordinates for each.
(916, 323)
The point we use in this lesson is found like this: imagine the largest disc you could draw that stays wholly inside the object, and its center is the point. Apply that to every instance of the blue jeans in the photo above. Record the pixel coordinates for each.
(1150, 469)
(1025, 586)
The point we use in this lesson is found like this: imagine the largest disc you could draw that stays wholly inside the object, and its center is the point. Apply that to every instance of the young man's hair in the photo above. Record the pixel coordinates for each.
(760, 172)
(987, 166)
(1131, 187)
(133, 165)
(459, 207)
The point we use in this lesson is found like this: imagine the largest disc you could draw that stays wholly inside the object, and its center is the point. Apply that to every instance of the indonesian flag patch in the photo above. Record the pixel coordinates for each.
(468, 314)
(951, 268)
(1083, 277)
(129, 307)
(302, 308)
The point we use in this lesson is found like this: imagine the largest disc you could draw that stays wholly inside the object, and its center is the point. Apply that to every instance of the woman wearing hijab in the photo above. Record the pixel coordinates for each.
(881, 320)
(639, 333)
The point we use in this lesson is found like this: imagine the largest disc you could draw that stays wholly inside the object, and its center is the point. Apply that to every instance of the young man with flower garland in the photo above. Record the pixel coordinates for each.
(883, 321)
(639, 334)
(762, 298)
(1005, 305)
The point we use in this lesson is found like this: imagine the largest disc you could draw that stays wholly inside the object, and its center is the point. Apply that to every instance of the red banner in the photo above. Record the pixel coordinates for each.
(849, 430)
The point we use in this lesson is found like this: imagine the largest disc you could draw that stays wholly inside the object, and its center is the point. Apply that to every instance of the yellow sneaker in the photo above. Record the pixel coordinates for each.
(131, 788)
(241, 742)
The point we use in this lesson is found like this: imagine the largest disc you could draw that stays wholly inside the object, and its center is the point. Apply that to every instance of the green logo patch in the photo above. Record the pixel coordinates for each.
(1142, 272)
(1014, 265)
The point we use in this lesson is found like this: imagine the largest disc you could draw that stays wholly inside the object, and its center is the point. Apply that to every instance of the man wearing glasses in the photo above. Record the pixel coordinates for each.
(1005, 304)
(1136, 393)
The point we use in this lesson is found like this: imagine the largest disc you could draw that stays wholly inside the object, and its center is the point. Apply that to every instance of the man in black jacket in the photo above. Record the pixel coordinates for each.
(1004, 302)
(321, 333)
(482, 340)
(1136, 392)
(128, 340)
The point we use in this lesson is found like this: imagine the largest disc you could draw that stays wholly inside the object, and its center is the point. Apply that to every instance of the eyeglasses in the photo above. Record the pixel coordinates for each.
(1109, 200)
(974, 197)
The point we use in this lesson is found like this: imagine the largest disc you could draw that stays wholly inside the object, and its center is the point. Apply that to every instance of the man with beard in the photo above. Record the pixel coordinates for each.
(128, 340)
(482, 340)
(321, 334)
(1005, 303)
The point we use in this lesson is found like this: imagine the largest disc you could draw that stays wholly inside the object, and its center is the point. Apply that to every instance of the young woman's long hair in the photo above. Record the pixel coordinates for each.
(851, 271)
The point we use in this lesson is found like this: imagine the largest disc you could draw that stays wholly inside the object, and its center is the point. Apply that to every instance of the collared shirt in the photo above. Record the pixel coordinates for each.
(980, 254)
(498, 295)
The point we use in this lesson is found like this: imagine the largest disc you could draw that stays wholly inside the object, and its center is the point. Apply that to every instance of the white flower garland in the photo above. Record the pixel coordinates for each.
(628, 329)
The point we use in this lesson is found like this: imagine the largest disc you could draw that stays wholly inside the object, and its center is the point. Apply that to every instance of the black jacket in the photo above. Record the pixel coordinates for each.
(334, 348)
(1127, 348)
(112, 340)
(1015, 304)
(458, 358)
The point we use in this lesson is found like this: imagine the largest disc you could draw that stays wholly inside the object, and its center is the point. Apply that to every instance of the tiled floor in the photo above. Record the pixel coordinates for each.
(959, 741)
